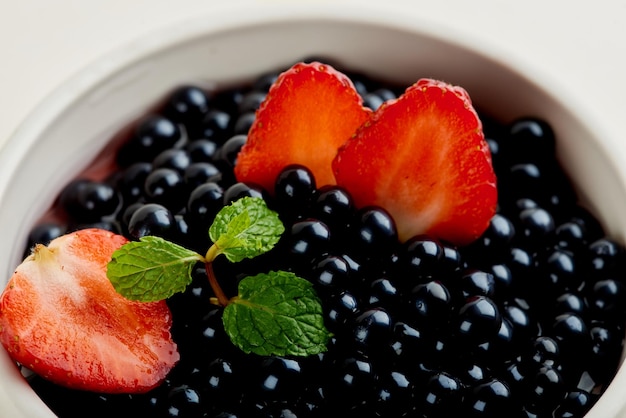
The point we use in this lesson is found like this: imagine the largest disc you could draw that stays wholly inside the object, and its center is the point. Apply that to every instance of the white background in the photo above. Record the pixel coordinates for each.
(579, 44)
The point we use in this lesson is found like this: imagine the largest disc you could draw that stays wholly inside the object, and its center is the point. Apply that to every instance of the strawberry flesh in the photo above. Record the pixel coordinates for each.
(423, 157)
(61, 317)
(308, 113)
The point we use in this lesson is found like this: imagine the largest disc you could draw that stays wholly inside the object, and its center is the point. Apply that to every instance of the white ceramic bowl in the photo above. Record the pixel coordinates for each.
(68, 129)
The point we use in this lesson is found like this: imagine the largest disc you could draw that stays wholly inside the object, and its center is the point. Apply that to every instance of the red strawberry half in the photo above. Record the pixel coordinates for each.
(61, 317)
(309, 112)
(423, 157)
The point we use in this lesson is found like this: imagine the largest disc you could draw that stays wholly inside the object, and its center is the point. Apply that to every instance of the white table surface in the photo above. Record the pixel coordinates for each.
(577, 43)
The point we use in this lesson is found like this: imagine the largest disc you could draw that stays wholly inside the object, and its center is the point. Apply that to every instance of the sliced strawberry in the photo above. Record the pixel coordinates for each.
(309, 112)
(423, 157)
(61, 317)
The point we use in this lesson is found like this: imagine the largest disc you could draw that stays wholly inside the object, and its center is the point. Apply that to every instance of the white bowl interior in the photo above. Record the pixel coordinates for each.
(67, 131)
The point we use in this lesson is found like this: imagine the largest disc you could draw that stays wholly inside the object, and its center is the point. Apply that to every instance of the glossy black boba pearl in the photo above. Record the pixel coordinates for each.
(239, 190)
(294, 189)
(524, 203)
(503, 279)
(607, 299)
(524, 326)
(558, 273)
(546, 390)
(406, 343)
(591, 225)
(536, 225)
(278, 410)
(217, 126)
(607, 343)
(430, 303)
(43, 233)
(384, 293)
(362, 83)
(131, 183)
(372, 330)
(279, 378)
(477, 282)
(523, 181)
(394, 396)
(420, 257)
(530, 139)
(479, 320)
(606, 256)
(497, 237)
(572, 334)
(264, 82)
(93, 201)
(308, 239)
(107, 225)
(174, 158)
(152, 219)
(204, 202)
(191, 308)
(183, 401)
(199, 173)
(374, 232)
(575, 404)
(220, 382)
(353, 383)
(251, 101)
(213, 335)
(372, 101)
(243, 123)
(490, 399)
(452, 261)
(500, 347)
(570, 236)
(514, 375)
(443, 395)
(334, 206)
(182, 227)
(470, 372)
(313, 401)
(187, 105)
(226, 156)
(571, 302)
(68, 196)
(201, 150)
(385, 93)
(165, 186)
(341, 311)
(544, 352)
(521, 262)
(330, 275)
(127, 212)
(153, 135)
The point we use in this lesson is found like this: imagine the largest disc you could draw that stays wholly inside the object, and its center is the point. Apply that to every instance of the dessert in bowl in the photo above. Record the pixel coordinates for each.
(67, 132)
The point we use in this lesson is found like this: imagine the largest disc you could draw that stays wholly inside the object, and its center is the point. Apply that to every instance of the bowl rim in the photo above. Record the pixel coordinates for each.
(225, 17)
(13, 150)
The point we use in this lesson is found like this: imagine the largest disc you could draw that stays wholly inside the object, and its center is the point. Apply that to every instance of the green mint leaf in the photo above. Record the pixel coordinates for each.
(277, 313)
(245, 229)
(151, 269)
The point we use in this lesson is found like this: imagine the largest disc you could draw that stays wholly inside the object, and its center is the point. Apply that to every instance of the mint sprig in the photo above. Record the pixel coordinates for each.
(151, 269)
(274, 313)
(245, 229)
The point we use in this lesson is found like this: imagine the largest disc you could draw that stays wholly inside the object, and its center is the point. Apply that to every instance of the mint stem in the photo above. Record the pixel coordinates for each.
(217, 289)
(211, 253)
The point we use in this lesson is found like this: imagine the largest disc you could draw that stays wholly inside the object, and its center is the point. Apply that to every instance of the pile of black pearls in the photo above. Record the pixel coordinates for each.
(528, 321)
